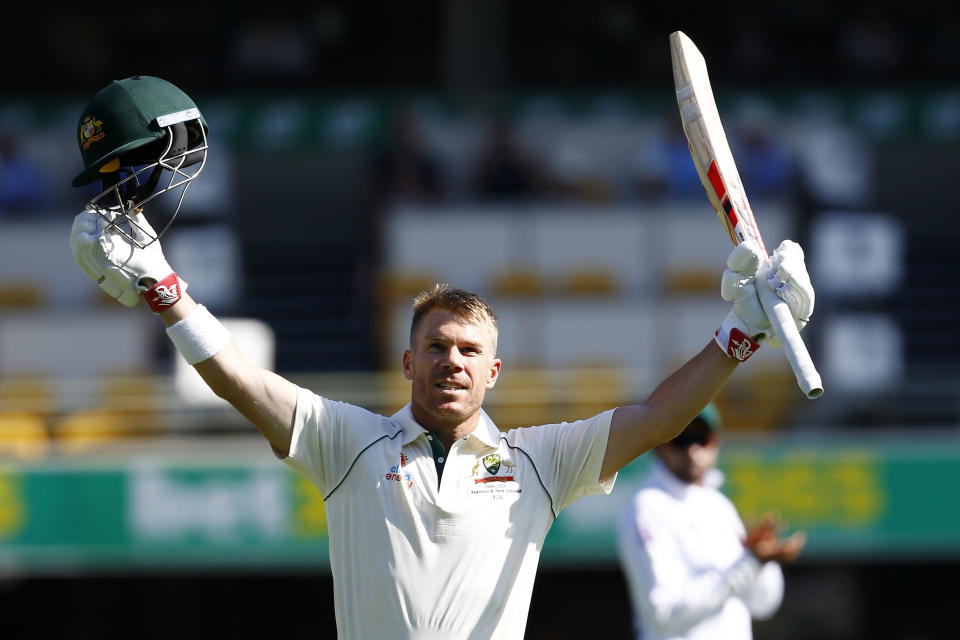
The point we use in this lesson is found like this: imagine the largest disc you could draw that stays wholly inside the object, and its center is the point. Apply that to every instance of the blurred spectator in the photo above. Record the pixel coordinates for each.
(765, 164)
(407, 171)
(504, 169)
(24, 186)
(694, 570)
(662, 166)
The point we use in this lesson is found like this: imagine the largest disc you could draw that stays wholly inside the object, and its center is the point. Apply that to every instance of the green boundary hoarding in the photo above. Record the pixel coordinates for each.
(889, 499)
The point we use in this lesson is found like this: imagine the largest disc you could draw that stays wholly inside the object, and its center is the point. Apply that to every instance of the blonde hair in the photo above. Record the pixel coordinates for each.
(463, 304)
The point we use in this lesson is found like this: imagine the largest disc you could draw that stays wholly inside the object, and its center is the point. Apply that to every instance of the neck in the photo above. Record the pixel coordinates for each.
(449, 431)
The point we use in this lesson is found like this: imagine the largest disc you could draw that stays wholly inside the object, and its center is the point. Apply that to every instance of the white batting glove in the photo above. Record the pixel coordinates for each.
(747, 326)
(121, 268)
(789, 278)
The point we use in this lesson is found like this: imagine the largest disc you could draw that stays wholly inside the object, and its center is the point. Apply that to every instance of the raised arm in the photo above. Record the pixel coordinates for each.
(637, 428)
(266, 399)
(130, 272)
(674, 403)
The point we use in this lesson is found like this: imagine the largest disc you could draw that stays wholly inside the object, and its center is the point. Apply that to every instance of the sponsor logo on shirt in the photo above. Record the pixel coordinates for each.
(397, 473)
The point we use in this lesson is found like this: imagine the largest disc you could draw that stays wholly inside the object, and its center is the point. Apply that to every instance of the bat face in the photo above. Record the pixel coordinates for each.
(708, 143)
(718, 173)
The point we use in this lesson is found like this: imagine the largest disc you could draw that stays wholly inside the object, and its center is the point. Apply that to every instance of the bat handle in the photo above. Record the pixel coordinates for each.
(800, 361)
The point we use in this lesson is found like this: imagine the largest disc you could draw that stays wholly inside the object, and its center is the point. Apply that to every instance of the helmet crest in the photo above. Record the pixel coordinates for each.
(131, 135)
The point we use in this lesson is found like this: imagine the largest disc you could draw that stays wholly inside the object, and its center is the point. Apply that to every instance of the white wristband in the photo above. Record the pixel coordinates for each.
(199, 336)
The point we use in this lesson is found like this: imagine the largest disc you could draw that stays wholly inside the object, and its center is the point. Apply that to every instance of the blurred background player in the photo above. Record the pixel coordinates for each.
(693, 569)
(449, 554)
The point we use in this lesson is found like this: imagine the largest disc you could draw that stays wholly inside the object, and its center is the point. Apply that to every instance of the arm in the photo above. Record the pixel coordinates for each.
(765, 594)
(128, 272)
(675, 402)
(637, 428)
(763, 538)
(267, 400)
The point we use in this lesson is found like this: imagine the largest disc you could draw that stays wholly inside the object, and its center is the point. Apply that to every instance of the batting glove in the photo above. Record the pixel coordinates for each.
(746, 327)
(121, 268)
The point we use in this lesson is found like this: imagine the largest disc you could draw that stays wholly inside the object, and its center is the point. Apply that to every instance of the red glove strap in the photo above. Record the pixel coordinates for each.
(164, 294)
(739, 346)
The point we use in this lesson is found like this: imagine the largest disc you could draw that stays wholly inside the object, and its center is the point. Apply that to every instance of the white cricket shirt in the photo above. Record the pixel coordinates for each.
(690, 576)
(414, 557)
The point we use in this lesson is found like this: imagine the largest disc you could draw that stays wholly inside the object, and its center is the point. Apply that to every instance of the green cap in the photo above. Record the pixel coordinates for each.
(125, 115)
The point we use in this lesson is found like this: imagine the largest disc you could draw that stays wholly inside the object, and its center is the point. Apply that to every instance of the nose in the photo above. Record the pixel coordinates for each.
(453, 359)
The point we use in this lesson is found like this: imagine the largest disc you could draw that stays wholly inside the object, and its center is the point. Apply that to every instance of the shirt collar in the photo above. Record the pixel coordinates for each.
(486, 431)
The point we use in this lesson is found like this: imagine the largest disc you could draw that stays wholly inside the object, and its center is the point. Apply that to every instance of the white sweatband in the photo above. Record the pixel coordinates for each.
(199, 336)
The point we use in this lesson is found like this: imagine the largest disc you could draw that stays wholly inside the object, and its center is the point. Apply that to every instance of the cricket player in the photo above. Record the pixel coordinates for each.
(693, 569)
(436, 516)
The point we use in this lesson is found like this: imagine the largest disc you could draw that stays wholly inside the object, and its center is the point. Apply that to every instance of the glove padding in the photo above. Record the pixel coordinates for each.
(110, 259)
(787, 275)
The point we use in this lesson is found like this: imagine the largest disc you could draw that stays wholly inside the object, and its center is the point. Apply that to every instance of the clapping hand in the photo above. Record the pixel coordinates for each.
(766, 541)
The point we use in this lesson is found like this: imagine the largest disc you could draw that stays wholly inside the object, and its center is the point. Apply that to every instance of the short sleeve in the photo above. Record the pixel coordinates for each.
(327, 436)
(568, 457)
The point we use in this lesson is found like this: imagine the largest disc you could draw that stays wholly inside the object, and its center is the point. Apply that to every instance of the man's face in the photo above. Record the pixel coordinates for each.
(692, 454)
(451, 364)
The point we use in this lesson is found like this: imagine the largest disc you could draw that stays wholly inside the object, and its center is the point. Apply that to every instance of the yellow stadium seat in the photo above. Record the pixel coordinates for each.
(691, 281)
(87, 429)
(521, 398)
(589, 282)
(762, 401)
(402, 286)
(518, 282)
(596, 389)
(31, 394)
(23, 435)
(21, 295)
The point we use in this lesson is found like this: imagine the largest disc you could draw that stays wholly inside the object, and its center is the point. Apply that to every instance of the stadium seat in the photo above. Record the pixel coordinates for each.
(521, 398)
(31, 394)
(21, 295)
(518, 282)
(23, 435)
(588, 282)
(85, 430)
(763, 399)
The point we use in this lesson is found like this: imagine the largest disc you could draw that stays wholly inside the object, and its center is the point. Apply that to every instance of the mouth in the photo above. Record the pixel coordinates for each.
(450, 386)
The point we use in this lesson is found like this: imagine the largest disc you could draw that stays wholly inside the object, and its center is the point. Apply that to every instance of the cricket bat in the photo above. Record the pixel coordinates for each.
(718, 174)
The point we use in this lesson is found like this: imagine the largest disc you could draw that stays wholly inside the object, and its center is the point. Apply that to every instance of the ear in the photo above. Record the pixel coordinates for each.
(494, 373)
(408, 364)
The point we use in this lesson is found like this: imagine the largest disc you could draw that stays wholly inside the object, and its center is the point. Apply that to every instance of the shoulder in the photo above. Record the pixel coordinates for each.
(597, 424)
(322, 410)
(726, 504)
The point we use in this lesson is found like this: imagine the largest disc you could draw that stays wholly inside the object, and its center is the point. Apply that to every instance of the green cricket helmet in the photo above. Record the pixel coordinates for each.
(138, 136)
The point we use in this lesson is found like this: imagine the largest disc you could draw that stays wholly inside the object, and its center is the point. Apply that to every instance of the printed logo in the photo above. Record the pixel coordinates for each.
(740, 346)
(493, 464)
(163, 294)
(398, 474)
(91, 130)
(166, 295)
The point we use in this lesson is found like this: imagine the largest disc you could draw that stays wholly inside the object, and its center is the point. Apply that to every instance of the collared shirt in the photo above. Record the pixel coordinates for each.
(689, 574)
(417, 555)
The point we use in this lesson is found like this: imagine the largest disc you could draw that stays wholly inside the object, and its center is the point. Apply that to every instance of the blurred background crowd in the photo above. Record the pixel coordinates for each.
(531, 151)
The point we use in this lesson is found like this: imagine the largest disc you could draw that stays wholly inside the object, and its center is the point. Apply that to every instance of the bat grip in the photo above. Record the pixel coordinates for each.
(786, 329)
